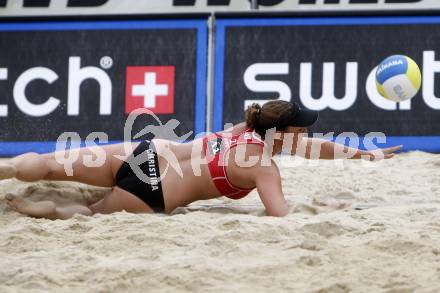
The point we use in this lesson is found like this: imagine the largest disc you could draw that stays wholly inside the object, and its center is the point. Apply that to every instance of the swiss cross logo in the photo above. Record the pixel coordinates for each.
(150, 87)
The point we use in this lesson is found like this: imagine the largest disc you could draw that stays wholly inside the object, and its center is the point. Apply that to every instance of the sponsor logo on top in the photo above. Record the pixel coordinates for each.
(147, 87)
(388, 65)
(150, 87)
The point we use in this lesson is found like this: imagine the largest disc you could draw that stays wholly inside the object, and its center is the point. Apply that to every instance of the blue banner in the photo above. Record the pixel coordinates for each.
(87, 76)
(328, 64)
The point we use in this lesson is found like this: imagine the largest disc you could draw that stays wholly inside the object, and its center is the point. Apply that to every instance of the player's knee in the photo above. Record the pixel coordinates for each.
(92, 209)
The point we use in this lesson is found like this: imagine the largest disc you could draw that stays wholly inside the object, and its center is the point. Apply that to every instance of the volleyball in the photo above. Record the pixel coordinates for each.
(398, 78)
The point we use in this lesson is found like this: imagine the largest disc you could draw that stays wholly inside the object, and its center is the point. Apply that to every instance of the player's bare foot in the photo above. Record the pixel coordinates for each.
(7, 171)
(40, 209)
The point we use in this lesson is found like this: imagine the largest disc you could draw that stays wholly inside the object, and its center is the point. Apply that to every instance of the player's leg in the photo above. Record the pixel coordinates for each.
(115, 201)
(120, 200)
(93, 165)
(45, 209)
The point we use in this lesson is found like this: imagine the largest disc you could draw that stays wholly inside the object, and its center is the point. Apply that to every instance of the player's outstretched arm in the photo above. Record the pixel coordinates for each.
(316, 148)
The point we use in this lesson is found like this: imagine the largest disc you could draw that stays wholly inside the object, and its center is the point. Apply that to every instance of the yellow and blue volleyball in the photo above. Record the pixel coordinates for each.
(398, 78)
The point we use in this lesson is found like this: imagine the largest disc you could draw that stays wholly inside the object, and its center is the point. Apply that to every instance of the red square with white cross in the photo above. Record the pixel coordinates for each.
(150, 87)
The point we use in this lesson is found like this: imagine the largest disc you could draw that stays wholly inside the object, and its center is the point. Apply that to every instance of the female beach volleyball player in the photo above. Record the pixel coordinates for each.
(227, 171)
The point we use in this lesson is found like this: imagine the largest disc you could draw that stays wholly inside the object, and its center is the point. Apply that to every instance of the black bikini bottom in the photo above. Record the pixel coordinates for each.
(147, 185)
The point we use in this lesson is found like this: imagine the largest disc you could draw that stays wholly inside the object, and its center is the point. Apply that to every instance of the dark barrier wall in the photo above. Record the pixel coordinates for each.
(87, 76)
(328, 64)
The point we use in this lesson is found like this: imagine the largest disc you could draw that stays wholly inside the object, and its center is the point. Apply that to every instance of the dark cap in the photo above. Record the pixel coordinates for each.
(297, 117)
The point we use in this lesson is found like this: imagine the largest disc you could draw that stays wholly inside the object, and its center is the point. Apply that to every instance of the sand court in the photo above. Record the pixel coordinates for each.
(225, 245)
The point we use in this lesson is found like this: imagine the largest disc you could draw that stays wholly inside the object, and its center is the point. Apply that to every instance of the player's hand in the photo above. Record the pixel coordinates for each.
(380, 154)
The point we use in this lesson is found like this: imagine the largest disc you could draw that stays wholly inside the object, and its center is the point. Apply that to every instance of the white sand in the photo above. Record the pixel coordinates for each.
(391, 248)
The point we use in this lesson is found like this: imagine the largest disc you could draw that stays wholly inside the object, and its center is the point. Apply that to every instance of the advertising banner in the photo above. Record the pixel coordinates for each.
(117, 7)
(86, 77)
(346, 5)
(329, 64)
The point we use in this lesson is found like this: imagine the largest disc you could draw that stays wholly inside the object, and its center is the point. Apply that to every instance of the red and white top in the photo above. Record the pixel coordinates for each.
(216, 148)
